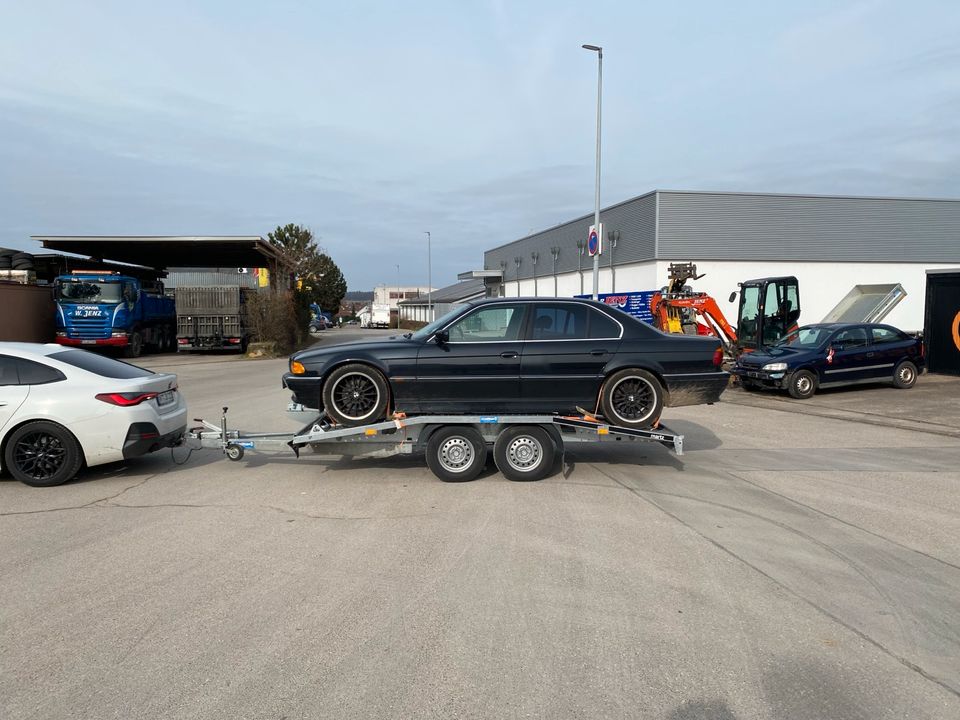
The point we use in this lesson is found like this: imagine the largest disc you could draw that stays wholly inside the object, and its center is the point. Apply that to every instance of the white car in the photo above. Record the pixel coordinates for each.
(61, 408)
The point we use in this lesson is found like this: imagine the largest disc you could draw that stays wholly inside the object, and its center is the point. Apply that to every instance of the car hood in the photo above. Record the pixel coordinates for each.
(388, 346)
(775, 354)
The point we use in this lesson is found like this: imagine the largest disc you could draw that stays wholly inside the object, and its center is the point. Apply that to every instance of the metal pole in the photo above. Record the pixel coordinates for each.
(518, 260)
(535, 256)
(596, 194)
(555, 251)
(614, 237)
(580, 246)
(398, 297)
(429, 280)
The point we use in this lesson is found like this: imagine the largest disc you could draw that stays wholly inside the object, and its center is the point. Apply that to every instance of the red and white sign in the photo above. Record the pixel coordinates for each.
(595, 240)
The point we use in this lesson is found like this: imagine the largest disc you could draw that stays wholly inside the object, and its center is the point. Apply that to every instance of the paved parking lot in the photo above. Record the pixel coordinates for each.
(789, 565)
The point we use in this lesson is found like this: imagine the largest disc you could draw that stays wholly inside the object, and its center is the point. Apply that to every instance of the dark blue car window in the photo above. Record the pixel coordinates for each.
(886, 335)
(851, 338)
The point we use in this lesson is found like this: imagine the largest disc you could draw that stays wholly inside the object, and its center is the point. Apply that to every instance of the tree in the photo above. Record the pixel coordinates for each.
(320, 280)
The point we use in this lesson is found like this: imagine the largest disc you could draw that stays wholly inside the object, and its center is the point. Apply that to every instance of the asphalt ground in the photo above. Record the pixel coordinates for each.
(788, 565)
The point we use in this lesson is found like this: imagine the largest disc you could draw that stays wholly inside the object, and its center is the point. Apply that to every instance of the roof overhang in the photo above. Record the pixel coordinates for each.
(484, 274)
(161, 252)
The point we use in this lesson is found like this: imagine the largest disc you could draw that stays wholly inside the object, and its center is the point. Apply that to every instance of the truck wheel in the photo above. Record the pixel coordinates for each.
(42, 454)
(134, 346)
(355, 394)
(525, 452)
(905, 375)
(456, 454)
(803, 384)
(632, 398)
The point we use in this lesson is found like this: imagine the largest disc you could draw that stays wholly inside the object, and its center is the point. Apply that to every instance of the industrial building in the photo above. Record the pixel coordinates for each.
(830, 243)
(441, 301)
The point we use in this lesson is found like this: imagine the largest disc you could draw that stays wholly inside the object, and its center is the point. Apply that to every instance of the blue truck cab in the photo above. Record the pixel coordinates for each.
(105, 309)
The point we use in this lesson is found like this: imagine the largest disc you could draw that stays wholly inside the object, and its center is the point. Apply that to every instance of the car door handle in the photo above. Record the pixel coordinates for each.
(509, 354)
(870, 354)
(598, 352)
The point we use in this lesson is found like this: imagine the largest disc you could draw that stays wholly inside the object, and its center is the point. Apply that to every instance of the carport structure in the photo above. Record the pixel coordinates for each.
(160, 252)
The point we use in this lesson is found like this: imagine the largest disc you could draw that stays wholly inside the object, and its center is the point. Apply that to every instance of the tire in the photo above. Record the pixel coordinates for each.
(632, 398)
(355, 394)
(135, 346)
(803, 384)
(524, 453)
(42, 454)
(905, 375)
(456, 453)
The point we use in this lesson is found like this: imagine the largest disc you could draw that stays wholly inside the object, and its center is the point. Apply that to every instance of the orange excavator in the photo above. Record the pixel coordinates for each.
(768, 310)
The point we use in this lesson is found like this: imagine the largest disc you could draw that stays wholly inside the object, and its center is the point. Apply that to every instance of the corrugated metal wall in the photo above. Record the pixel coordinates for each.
(193, 277)
(744, 226)
(635, 219)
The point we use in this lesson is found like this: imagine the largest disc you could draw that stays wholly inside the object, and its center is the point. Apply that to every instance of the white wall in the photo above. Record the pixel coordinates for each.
(640, 276)
(822, 285)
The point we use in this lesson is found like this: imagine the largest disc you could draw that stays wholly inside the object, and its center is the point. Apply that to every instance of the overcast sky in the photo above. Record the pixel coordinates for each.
(371, 122)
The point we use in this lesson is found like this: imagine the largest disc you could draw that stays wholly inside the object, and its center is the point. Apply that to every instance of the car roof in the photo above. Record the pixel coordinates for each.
(31, 348)
(530, 299)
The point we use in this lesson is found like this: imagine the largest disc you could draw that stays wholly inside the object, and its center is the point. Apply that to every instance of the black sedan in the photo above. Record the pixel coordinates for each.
(828, 355)
(514, 355)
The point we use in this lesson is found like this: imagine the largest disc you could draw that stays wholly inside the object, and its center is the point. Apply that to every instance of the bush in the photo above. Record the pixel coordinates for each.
(276, 317)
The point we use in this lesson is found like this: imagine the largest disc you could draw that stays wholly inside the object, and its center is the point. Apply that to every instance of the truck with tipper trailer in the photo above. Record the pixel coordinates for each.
(109, 309)
(212, 318)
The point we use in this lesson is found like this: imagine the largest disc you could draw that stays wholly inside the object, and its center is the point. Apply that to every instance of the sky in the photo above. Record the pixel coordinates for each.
(373, 122)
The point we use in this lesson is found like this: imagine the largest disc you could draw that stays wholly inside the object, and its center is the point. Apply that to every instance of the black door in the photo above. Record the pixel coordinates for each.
(942, 327)
(568, 345)
(478, 368)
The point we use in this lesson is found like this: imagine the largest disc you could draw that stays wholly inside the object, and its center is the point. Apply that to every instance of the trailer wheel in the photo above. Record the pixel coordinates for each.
(524, 452)
(234, 452)
(355, 394)
(456, 454)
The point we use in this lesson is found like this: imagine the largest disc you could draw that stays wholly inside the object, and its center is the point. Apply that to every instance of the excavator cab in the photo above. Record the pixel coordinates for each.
(769, 309)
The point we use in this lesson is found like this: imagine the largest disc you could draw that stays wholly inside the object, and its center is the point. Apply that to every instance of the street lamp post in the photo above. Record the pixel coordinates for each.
(398, 297)
(429, 280)
(596, 193)
(581, 244)
(555, 251)
(503, 278)
(614, 237)
(535, 256)
(518, 260)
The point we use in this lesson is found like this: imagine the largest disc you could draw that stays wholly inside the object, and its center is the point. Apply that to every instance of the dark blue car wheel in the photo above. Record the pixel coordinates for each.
(803, 384)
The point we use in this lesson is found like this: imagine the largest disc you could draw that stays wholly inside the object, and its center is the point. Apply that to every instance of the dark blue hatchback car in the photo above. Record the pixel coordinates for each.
(828, 355)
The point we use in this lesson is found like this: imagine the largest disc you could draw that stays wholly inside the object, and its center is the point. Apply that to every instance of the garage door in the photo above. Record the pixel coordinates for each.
(942, 324)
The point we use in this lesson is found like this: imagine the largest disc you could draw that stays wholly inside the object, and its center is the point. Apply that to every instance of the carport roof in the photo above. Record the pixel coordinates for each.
(162, 251)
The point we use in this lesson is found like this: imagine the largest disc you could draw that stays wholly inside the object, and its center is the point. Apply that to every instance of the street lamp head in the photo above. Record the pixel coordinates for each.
(595, 48)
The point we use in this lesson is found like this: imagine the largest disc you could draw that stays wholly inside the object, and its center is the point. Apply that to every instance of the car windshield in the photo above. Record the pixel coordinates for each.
(429, 329)
(805, 337)
(90, 291)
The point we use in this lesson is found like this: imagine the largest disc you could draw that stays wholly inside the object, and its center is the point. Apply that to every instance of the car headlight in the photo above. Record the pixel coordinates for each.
(775, 367)
(297, 367)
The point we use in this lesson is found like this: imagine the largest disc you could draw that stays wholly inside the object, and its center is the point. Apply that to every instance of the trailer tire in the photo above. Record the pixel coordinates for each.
(456, 453)
(134, 346)
(355, 394)
(524, 453)
(632, 398)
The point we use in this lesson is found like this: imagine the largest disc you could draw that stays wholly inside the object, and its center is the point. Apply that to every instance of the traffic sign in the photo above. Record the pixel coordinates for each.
(595, 240)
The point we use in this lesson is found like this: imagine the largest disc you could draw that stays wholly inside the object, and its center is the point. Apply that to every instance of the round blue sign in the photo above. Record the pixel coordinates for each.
(593, 243)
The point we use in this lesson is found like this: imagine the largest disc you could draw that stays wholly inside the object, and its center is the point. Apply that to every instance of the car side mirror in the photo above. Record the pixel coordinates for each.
(442, 337)
(733, 296)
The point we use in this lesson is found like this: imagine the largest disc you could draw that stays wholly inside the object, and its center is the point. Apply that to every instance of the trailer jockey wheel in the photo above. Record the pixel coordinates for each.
(525, 452)
(234, 452)
(456, 454)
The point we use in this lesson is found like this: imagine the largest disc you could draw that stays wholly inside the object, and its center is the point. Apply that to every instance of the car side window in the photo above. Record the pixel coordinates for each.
(488, 324)
(8, 371)
(560, 321)
(603, 327)
(885, 335)
(34, 373)
(851, 338)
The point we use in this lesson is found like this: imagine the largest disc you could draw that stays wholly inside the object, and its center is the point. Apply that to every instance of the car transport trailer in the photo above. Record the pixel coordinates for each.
(525, 447)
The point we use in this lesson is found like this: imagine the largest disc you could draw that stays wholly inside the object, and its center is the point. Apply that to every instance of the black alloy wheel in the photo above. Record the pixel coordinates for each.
(632, 398)
(42, 454)
(355, 394)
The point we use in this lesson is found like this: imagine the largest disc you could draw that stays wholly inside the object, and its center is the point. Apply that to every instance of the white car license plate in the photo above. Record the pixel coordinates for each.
(88, 342)
(165, 398)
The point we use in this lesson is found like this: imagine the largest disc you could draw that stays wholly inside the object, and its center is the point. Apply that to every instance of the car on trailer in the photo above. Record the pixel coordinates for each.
(514, 356)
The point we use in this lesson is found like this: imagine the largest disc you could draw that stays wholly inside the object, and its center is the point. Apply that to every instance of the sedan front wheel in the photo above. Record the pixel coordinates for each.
(355, 394)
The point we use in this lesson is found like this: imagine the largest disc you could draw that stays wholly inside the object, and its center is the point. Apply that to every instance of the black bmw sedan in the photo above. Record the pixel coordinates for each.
(514, 355)
(833, 354)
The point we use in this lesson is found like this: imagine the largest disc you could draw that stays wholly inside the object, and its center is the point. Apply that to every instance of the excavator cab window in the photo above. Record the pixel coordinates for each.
(749, 320)
(769, 309)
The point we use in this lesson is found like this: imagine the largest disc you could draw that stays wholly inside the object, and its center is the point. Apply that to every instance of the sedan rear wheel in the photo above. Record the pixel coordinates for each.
(42, 454)
(355, 394)
(632, 398)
